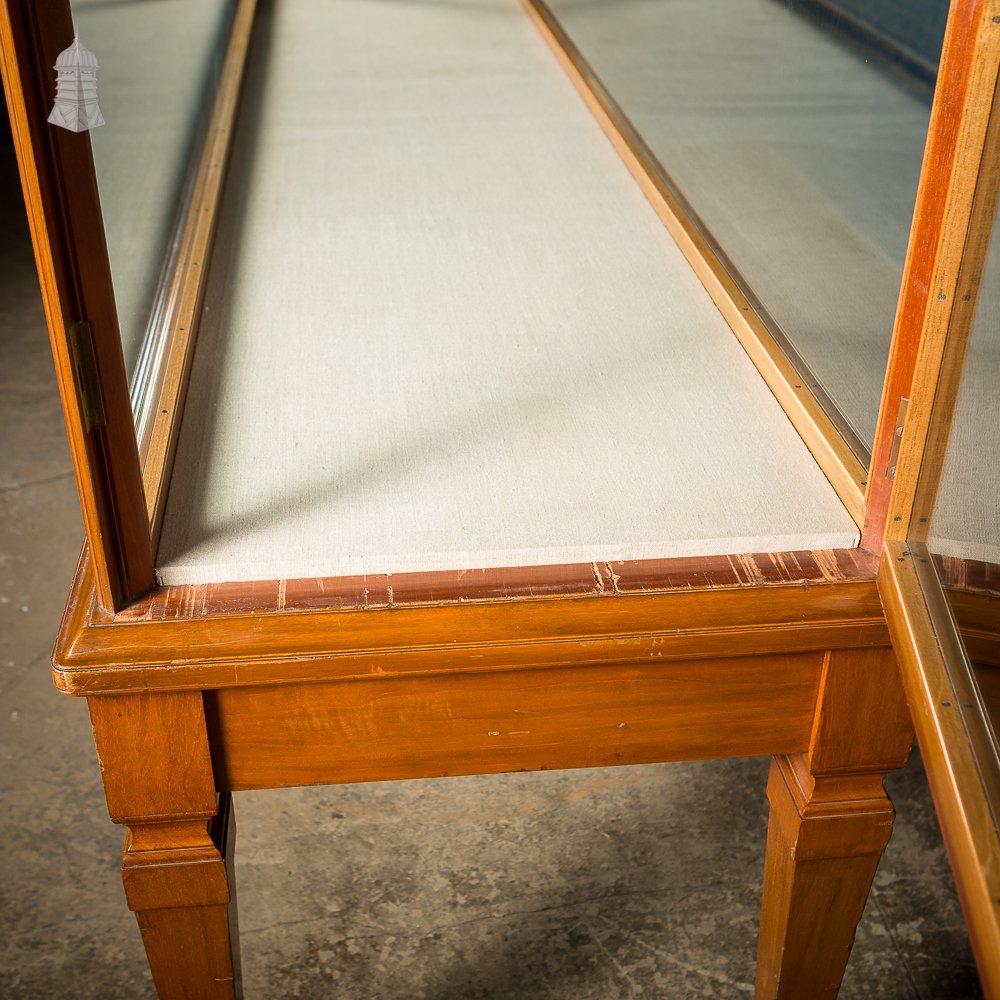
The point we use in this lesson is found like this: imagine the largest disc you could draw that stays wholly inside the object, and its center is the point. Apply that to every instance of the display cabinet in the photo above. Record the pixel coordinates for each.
(468, 388)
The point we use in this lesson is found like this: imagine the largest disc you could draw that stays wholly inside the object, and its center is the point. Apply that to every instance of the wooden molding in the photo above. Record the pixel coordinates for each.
(294, 631)
(182, 313)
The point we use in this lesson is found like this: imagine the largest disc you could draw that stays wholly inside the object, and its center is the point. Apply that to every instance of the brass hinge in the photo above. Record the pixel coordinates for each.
(88, 382)
(897, 438)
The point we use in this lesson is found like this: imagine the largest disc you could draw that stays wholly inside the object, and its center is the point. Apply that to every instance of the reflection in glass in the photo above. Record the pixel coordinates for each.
(963, 529)
(795, 130)
(159, 62)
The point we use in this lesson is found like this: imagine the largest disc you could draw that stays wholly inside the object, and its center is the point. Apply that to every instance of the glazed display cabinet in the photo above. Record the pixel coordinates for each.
(479, 387)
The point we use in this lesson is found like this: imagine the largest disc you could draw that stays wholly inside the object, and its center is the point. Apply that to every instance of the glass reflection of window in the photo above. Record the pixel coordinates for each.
(159, 62)
(963, 529)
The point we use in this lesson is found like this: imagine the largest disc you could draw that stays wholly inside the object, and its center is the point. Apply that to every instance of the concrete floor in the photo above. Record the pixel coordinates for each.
(628, 882)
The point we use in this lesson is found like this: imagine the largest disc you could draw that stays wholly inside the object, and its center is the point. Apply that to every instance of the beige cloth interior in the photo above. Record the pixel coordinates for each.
(445, 330)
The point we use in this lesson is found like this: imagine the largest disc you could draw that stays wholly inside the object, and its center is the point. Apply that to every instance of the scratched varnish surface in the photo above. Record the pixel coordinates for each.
(609, 579)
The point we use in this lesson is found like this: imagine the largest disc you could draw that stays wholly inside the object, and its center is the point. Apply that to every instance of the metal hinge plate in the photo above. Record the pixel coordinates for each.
(88, 382)
(897, 438)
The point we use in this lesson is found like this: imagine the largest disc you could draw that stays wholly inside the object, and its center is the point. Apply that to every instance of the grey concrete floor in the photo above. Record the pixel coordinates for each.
(615, 883)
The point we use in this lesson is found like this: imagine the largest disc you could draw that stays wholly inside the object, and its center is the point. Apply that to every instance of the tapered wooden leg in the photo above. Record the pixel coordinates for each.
(830, 822)
(177, 864)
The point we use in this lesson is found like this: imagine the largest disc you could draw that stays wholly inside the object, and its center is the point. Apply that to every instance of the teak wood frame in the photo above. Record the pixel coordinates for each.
(431, 674)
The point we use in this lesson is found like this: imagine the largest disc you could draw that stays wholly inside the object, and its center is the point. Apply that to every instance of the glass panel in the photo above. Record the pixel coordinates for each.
(158, 66)
(963, 526)
(795, 130)
(954, 532)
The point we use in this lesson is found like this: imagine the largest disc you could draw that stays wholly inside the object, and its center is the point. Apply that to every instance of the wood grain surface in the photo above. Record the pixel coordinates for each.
(379, 727)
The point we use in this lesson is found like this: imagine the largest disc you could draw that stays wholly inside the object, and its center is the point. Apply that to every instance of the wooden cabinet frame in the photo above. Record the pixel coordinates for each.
(198, 691)
(955, 219)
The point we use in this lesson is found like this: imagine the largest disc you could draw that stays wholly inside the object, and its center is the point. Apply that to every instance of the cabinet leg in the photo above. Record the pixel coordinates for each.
(177, 863)
(830, 822)
(822, 853)
(185, 902)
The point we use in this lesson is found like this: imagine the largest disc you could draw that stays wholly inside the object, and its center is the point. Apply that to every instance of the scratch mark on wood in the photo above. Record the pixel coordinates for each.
(587, 580)
(827, 564)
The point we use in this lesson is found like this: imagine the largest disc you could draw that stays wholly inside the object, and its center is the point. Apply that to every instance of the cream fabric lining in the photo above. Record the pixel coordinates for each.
(445, 330)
